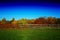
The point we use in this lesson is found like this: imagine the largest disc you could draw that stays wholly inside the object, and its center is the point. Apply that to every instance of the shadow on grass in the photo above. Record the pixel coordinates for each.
(10, 35)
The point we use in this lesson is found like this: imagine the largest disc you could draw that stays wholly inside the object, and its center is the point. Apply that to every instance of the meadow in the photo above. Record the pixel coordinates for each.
(30, 34)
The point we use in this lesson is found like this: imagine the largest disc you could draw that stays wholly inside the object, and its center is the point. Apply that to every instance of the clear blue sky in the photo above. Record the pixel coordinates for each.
(28, 10)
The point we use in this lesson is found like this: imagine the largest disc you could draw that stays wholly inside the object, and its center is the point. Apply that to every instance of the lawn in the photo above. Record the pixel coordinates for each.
(30, 34)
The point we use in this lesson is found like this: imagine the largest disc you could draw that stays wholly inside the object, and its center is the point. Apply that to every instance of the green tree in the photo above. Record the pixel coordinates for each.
(31, 21)
(22, 21)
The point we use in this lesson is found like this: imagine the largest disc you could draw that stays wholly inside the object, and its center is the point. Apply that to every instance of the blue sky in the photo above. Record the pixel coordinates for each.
(28, 10)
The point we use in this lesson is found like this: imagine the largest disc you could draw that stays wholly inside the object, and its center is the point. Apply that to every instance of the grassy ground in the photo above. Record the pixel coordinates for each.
(30, 34)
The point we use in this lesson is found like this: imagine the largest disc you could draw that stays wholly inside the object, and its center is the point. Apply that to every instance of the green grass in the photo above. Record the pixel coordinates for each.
(30, 34)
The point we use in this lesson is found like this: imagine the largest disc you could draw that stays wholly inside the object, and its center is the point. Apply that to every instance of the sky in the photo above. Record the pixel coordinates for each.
(29, 9)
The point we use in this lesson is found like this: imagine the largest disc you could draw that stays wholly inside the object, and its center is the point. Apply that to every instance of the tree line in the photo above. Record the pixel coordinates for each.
(15, 23)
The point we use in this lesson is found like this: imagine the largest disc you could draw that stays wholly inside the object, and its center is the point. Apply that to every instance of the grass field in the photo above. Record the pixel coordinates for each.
(30, 34)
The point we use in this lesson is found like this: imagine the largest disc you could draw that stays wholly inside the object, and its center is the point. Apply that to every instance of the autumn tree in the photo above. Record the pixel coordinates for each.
(31, 21)
(40, 20)
(51, 20)
(3, 21)
(12, 20)
(14, 23)
(57, 20)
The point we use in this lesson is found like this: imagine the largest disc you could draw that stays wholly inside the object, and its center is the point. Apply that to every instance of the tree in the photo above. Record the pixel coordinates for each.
(51, 20)
(23, 21)
(31, 21)
(40, 20)
(13, 19)
(3, 21)
(58, 21)
(14, 23)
